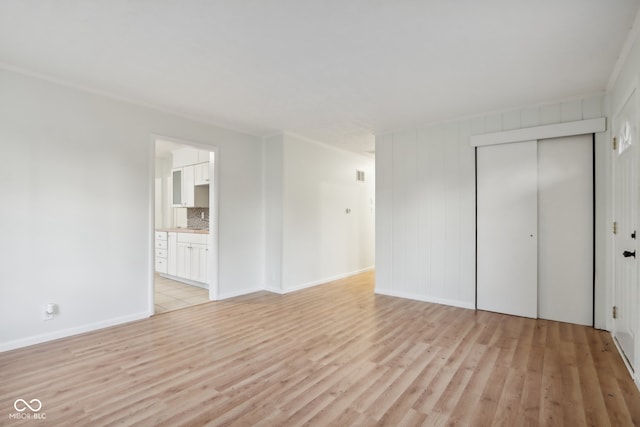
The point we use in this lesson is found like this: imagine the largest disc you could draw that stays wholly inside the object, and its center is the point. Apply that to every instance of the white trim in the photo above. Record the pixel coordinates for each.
(318, 282)
(611, 287)
(624, 360)
(213, 241)
(484, 114)
(435, 300)
(611, 324)
(214, 215)
(557, 130)
(274, 290)
(127, 99)
(37, 339)
(151, 238)
(327, 280)
(227, 295)
(183, 280)
(324, 144)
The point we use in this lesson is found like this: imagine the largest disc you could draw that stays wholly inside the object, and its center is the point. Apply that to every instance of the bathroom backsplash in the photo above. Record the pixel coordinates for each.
(194, 218)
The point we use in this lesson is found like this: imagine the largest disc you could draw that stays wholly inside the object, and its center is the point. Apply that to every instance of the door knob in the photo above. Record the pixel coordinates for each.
(627, 254)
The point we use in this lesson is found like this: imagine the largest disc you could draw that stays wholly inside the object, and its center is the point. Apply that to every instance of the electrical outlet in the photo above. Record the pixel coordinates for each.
(48, 310)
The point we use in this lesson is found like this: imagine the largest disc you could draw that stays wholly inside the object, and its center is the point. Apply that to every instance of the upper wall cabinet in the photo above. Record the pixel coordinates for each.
(189, 156)
(185, 193)
(183, 187)
(190, 174)
(201, 171)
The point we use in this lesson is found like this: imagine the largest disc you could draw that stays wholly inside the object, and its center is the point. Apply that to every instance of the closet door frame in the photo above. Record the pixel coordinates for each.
(559, 130)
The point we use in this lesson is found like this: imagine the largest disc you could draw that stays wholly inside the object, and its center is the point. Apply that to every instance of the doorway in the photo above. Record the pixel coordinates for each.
(184, 225)
(626, 187)
(535, 228)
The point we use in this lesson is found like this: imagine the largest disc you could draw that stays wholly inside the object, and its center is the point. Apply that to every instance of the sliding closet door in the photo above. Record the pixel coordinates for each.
(565, 229)
(507, 278)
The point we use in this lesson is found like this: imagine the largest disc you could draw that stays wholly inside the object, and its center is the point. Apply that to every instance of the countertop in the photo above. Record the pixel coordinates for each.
(184, 230)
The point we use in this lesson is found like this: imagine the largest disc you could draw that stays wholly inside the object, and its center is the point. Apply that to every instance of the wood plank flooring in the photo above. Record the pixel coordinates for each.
(332, 355)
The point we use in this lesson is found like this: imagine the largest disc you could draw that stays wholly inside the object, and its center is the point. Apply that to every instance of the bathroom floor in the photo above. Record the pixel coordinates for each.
(171, 295)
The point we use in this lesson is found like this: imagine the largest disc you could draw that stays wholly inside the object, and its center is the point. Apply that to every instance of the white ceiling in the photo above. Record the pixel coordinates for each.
(333, 71)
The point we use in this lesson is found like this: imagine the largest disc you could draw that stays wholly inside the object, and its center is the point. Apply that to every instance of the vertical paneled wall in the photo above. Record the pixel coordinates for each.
(425, 201)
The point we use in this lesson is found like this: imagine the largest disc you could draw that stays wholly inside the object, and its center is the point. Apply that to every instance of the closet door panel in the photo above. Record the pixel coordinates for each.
(507, 277)
(565, 229)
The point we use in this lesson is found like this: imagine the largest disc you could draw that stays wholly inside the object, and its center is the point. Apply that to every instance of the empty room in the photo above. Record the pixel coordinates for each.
(287, 213)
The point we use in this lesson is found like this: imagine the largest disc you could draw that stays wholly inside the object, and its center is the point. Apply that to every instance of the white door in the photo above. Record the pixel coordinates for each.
(507, 277)
(565, 229)
(626, 189)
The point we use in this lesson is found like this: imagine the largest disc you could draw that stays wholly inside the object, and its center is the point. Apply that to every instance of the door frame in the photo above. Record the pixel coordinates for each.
(616, 110)
(593, 126)
(214, 214)
(593, 228)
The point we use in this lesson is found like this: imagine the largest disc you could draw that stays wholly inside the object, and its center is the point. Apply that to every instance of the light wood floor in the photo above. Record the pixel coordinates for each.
(333, 355)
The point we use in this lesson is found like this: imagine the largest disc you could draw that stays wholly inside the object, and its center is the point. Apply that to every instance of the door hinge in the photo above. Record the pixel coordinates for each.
(615, 227)
(615, 143)
(615, 312)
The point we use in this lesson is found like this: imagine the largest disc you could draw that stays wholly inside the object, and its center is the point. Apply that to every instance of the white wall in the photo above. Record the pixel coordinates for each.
(310, 237)
(77, 211)
(273, 190)
(320, 240)
(425, 187)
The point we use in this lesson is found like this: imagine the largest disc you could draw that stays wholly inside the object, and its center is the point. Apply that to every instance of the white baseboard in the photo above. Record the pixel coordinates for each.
(227, 295)
(634, 377)
(274, 290)
(426, 298)
(183, 280)
(319, 282)
(38, 339)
